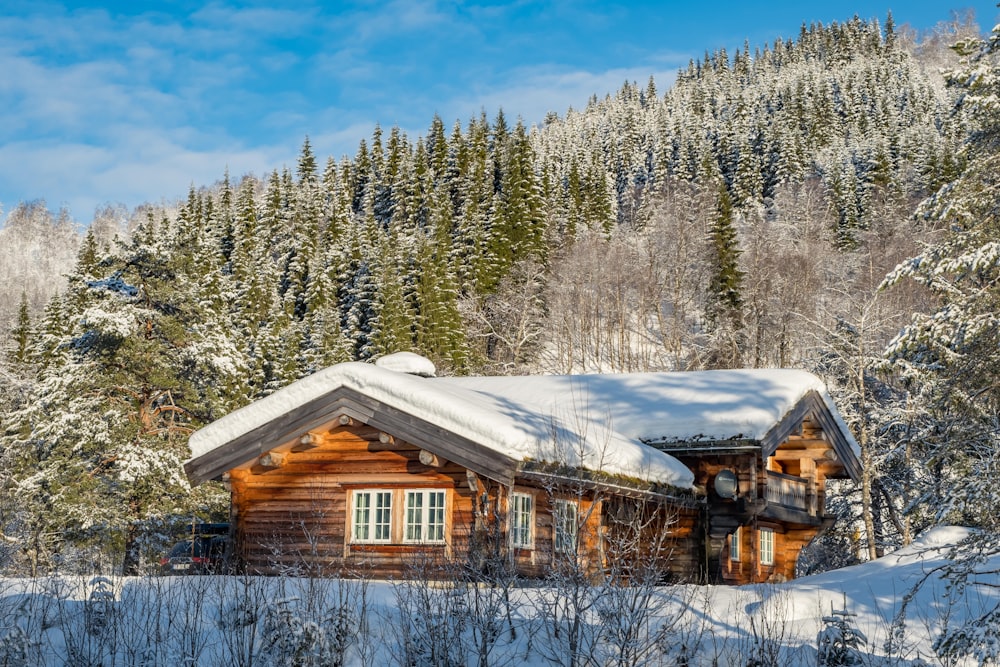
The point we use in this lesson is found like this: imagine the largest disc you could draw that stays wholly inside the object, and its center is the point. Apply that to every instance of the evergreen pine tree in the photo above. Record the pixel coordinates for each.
(439, 332)
(519, 228)
(102, 441)
(948, 359)
(725, 300)
(476, 263)
(724, 308)
(19, 354)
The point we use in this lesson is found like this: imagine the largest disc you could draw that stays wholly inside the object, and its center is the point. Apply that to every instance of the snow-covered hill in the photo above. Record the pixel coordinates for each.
(233, 620)
(873, 592)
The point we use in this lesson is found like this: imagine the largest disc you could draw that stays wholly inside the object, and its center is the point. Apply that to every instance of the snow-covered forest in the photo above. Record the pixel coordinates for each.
(828, 202)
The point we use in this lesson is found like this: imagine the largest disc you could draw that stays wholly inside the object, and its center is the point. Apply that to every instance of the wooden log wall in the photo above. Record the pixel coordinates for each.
(292, 511)
(653, 539)
(788, 543)
(294, 517)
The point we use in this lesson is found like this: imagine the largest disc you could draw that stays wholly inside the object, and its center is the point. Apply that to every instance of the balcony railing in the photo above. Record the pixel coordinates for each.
(789, 491)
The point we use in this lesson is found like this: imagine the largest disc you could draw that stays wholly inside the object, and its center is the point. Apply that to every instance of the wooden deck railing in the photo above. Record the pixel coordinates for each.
(788, 490)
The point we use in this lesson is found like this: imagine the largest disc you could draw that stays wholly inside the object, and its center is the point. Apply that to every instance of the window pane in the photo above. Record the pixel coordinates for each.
(422, 512)
(734, 545)
(766, 546)
(383, 516)
(565, 526)
(362, 515)
(526, 524)
(521, 520)
(414, 515)
(435, 516)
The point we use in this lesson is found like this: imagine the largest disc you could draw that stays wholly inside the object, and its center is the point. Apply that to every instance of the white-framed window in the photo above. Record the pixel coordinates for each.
(372, 516)
(424, 520)
(735, 541)
(565, 527)
(766, 546)
(522, 520)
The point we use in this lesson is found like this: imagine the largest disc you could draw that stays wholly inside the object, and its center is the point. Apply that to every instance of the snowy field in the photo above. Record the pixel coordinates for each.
(234, 620)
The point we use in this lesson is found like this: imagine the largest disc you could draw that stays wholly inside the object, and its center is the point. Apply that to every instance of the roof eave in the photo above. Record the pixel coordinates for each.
(345, 401)
(566, 478)
(701, 447)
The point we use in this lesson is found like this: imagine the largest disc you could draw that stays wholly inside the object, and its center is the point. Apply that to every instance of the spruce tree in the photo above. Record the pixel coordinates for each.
(724, 307)
(948, 358)
(439, 331)
(20, 351)
(519, 229)
(725, 301)
(954, 350)
(474, 256)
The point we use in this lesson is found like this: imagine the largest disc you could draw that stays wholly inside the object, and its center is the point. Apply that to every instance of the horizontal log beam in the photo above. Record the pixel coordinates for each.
(814, 453)
(794, 442)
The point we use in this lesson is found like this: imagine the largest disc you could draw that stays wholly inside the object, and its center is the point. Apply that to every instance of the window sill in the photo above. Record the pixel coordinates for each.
(393, 545)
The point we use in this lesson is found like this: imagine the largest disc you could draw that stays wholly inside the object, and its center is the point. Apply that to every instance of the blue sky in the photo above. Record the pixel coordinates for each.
(132, 102)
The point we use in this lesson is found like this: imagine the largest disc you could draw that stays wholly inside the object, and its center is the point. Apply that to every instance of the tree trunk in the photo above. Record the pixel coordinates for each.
(130, 559)
(866, 492)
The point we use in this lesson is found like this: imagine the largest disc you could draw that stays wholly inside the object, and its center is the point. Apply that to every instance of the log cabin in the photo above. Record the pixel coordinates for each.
(381, 468)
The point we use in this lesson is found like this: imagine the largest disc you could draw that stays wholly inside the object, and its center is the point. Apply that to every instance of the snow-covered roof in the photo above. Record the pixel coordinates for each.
(599, 422)
(657, 407)
(408, 362)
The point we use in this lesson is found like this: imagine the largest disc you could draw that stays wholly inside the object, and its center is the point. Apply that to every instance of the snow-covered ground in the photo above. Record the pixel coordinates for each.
(285, 620)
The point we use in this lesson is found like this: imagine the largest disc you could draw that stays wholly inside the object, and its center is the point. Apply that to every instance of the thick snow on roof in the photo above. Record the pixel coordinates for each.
(659, 407)
(597, 421)
(408, 362)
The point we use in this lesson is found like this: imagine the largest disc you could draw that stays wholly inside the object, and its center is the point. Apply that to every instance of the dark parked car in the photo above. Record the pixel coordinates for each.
(202, 553)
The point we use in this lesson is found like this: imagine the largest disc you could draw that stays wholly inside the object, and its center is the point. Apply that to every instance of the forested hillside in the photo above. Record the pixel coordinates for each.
(745, 216)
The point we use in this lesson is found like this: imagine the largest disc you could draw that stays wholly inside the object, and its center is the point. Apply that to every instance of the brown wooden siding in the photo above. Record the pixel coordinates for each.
(293, 515)
(292, 512)
(686, 546)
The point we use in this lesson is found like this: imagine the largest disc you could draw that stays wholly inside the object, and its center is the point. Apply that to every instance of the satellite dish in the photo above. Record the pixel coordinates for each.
(726, 484)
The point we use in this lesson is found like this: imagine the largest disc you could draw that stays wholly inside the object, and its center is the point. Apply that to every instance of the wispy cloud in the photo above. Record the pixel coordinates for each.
(133, 106)
(130, 107)
(385, 21)
(142, 167)
(236, 21)
(130, 102)
(533, 92)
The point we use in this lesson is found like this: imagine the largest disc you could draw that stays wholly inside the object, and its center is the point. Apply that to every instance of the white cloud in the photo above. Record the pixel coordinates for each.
(533, 92)
(103, 107)
(237, 21)
(122, 109)
(141, 167)
(383, 20)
